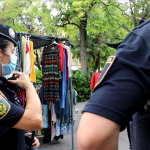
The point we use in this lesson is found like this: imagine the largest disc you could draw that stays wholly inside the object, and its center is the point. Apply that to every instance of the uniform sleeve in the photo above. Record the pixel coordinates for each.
(10, 114)
(124, 85)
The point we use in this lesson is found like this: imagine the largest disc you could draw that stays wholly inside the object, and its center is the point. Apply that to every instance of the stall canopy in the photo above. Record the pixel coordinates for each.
(41, 40)
(112, 45)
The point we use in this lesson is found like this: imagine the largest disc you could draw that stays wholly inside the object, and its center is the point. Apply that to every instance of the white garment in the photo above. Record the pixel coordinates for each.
(74, 107)
(53, 115)
(53, 129)
(28, 60)
(69, 59)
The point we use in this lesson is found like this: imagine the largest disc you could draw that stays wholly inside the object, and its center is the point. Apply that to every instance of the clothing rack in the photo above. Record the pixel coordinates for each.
(41, 41)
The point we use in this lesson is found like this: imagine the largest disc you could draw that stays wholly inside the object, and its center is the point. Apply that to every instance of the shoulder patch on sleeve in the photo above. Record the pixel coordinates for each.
(108, 65)
(4, 107)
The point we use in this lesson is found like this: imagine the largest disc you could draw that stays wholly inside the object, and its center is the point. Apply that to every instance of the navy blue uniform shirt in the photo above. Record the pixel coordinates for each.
(10, 114)
(124, 85)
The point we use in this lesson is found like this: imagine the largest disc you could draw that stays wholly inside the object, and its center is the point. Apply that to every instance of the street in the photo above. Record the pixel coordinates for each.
(66, 143)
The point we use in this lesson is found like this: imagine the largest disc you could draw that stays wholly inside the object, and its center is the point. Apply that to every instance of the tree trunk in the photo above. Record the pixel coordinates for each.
(98, 62)
(83, 46)
(37, 60)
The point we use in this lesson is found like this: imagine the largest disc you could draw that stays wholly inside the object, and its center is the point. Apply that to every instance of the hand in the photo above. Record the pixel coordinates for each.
(22, 80)
(36, 141)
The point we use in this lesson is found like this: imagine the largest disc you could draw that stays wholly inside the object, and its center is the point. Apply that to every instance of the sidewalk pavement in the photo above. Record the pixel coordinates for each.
(80, 106)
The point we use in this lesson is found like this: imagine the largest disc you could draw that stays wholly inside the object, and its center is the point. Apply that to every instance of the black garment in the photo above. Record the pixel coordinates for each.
(19, 56)
(140, 130)
(10, 113)
(13, 140)
(47, 136)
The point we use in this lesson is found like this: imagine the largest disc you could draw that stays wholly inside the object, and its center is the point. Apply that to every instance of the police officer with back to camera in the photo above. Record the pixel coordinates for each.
(14, 119)
(123, 88)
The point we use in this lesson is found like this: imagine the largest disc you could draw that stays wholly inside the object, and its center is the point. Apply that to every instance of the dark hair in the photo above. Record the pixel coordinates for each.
(4, 43)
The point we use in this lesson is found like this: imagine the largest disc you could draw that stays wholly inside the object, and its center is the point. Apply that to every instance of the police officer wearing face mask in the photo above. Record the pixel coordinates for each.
(14, 119)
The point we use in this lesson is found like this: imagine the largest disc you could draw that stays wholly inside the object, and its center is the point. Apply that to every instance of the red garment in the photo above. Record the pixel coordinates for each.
(22, 102)
(27, 48)
(94, 80)
(23, 96)
(61, 54)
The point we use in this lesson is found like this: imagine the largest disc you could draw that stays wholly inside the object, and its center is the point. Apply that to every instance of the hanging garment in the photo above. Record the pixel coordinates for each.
(65, 111)
(69, 59)
(19, 56)
(32, 74)
(23, 96)
(28, 59)
(39, 132)
(70, 128)
(47, 136)
(63, 85)
(65, 128)
(49, 119)
(27, 47)
(58, 127)
(74, 97)
(94, 80)
(61, 54)
(53, 129)
(42, 94)
(67, 68)
(24, 41)
(62, 129)
(53, 113)
(57, 109)
(45, 116)
(51, 73)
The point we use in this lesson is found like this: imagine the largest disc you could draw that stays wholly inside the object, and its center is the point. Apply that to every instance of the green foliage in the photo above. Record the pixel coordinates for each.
(110, 20)
(39, 75)
(107, 20)
(105, 53)
(22, 15)
(81, 83)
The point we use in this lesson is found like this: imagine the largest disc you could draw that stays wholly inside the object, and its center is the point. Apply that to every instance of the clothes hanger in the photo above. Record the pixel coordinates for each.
(28, 37)
(54, 43)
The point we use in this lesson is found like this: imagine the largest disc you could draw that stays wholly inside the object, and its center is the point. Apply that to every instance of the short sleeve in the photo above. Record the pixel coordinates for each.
(131, 65)
(10, 114)
(124, 85)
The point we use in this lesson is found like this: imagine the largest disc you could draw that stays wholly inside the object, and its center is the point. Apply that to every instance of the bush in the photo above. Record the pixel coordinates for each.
(39, 75)
(81, 83)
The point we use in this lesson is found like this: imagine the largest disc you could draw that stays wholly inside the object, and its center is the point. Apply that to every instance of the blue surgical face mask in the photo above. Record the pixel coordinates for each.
(10, 68)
